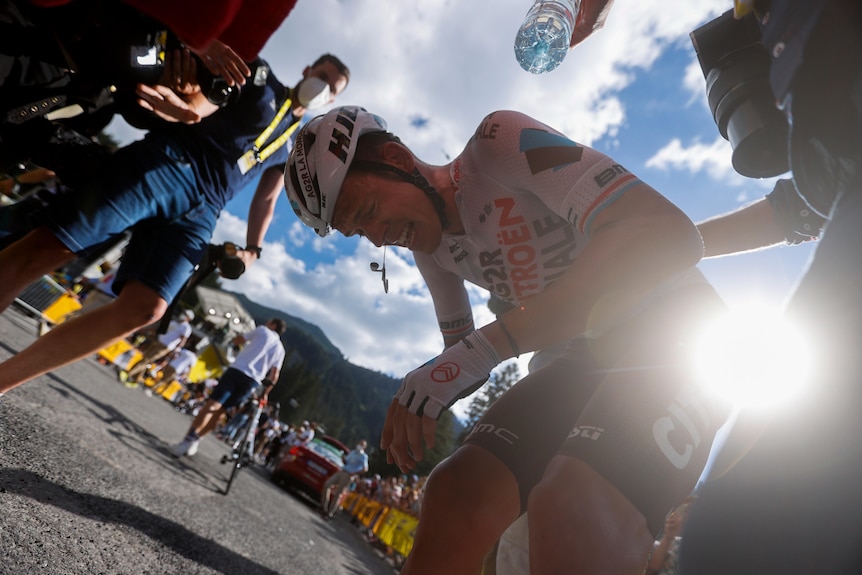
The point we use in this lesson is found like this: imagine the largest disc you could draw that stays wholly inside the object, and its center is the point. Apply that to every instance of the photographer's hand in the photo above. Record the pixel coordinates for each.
(248, 257)
(222, 61)
(166, 104)
(181, 73)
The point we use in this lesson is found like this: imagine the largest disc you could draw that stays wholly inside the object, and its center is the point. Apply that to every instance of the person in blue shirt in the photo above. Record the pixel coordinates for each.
(355, 464)
(168, 189)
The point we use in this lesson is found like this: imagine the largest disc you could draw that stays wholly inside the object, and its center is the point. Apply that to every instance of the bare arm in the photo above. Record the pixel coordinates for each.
(273, 374)
(451, 301)
(752, 227)
(261, 210)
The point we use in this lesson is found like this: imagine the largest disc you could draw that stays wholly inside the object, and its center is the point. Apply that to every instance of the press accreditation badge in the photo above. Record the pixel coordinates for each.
(246, 162)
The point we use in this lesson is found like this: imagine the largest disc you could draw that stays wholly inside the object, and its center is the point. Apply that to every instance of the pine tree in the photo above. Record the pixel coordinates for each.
(499, 382)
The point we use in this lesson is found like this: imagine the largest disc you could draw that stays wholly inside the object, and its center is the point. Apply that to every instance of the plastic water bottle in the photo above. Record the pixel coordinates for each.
(544, 37)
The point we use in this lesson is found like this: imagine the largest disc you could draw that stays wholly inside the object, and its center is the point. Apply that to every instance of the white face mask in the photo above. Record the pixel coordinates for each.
(313, 93)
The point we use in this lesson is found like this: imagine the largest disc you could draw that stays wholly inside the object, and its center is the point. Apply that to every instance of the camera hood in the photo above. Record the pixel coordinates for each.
(735, 66)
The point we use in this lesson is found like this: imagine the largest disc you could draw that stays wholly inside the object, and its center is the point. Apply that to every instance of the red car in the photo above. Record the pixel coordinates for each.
(307, 467)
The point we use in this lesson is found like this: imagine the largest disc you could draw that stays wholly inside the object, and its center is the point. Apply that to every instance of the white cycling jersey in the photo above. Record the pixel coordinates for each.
(527, 196)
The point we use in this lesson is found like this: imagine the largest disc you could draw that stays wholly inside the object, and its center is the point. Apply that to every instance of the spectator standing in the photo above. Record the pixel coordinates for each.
(305, 433)
(180, 365)
(161, 345)
(355, 464)
(178, 368)
(258, 364)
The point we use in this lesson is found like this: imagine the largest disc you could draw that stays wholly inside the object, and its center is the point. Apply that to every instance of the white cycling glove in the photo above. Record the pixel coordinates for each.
(455, 373)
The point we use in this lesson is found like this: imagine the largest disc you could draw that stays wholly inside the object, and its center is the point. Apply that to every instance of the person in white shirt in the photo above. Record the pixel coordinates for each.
(355, 464)
(178, 368)
(176, 336)
(305, 434)
(258, 363)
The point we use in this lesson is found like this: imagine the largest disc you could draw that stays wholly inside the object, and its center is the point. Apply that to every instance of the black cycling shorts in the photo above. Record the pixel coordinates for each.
(233, 388)
(626, 404)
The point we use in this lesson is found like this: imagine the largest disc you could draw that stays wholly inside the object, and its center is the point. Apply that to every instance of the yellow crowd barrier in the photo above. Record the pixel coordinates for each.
(113, 352)
(391, 526)
(209, 365)
(62, 307)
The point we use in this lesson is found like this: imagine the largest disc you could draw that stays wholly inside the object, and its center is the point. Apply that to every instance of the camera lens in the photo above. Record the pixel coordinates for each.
(220, 92)
(736, 68)
(742, 104)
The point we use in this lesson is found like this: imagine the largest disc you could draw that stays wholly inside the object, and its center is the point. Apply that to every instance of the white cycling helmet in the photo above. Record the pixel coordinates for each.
(320, 159)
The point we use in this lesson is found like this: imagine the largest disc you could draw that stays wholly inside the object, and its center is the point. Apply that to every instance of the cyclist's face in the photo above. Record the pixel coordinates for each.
(388, 211)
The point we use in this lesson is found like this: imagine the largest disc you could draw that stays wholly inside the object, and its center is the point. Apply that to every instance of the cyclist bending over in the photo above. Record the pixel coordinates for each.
(600, 443)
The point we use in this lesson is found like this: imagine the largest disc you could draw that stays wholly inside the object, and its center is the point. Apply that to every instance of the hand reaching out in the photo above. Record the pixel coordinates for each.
(166, 104)
(181, 72)
(592, 16)
(222, 61)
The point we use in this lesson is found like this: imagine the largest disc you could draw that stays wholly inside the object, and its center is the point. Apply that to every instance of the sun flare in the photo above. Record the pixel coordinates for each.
(753, 357)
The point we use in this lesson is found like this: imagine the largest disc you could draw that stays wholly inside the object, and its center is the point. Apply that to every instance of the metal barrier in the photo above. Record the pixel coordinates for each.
(48, 300)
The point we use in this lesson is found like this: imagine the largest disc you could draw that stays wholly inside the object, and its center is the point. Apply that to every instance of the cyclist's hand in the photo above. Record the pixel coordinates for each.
(455, 373)
(428, 390)
(403, 433)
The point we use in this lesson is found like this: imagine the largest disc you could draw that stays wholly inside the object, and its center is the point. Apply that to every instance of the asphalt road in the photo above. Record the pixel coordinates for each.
(87, 486)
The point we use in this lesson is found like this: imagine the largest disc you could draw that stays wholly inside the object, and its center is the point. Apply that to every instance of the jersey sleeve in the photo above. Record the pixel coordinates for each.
(527, 156)
(451, 301)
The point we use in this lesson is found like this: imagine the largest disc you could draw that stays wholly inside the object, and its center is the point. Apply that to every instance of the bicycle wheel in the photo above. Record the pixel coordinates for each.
(239, 458)
(243, 450)
(237, 465)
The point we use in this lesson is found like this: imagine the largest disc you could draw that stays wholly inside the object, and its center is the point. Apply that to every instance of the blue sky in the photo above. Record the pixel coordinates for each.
(433, 69)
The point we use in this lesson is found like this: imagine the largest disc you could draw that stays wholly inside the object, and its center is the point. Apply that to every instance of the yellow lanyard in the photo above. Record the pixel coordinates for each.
(257, 156)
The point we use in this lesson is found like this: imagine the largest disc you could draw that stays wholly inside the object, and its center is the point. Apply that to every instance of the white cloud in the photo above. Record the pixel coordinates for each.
(713, 158)
(453, 62)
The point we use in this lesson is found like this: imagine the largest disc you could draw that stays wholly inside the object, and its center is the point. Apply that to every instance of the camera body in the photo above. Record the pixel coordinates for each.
(225, 259)
(735, 66)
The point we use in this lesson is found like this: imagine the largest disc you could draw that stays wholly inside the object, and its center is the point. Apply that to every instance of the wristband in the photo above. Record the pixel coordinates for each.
(267, 382)
(255, 249)
(509, 337)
